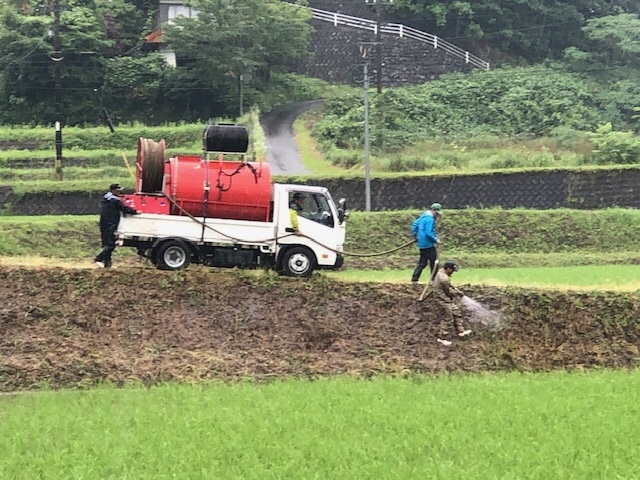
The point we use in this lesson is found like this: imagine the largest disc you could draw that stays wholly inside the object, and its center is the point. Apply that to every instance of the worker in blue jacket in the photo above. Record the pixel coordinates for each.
(424, 230)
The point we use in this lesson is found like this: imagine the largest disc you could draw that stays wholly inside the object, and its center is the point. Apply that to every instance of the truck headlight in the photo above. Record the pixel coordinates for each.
(340, 248)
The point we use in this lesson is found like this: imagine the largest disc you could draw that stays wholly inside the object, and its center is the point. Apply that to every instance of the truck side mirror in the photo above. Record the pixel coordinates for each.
(342, 210)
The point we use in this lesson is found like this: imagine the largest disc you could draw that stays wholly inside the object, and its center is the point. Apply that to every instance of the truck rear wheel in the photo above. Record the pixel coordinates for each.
(299, 262)
(173, 255)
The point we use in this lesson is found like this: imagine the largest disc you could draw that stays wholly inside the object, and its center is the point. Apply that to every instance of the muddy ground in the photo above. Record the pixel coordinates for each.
(79, 327)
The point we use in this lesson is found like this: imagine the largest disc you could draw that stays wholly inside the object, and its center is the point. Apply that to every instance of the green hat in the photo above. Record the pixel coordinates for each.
(436, 207)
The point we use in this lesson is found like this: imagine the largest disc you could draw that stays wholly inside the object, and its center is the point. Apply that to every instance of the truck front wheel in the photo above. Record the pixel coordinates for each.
(173, 255)
(298, 262)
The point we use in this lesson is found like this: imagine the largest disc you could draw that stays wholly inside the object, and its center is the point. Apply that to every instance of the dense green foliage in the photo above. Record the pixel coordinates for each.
(614, 147)
(532, 29)
(103, 63)
(505, 103)
(233, 45)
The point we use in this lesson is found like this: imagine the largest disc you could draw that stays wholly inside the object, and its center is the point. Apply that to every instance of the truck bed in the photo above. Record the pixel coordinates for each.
(217, 231)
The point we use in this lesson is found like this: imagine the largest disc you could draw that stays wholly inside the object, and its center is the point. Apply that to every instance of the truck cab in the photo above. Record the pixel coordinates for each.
(321, 225)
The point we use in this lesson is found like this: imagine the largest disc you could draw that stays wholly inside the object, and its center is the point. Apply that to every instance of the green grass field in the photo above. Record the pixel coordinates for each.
(537, 426)
(26, 241)
(586, 277)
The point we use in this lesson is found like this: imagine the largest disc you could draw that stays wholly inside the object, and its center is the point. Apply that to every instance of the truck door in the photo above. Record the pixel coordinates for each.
(317, 223)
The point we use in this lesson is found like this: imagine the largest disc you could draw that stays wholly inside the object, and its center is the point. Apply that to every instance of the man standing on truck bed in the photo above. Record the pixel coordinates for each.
(449, 298)
(110, 208)
(424, 230)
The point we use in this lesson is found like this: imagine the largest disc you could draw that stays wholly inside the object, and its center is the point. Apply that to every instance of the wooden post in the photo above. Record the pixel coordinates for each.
(58, 164)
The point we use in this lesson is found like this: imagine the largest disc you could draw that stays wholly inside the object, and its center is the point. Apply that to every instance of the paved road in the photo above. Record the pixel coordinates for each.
(282, 149)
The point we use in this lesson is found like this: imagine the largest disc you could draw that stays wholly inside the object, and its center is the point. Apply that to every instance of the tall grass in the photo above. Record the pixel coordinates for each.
(569, 426)
(497, 155)
(311, 157)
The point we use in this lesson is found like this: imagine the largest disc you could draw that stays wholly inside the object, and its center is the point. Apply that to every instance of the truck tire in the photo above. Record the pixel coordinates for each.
(173, 255)
(299, 262)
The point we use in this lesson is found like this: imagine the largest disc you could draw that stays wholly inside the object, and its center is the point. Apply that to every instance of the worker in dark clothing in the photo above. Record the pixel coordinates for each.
(295, 207)
(110, 209)
(424, 231)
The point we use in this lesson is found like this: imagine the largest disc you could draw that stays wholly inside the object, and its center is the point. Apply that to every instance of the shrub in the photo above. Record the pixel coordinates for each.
(614, 147)
(400, 164)
(345, 158)
(507, 102)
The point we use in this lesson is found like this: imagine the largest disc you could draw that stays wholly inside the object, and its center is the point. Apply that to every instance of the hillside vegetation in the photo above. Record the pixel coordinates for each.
(476, 237)
(507, 118)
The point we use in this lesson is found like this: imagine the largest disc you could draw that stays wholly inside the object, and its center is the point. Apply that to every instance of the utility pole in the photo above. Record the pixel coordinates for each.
(58, 162)
(240, 80)
(367, 179)
(365, 48)
(379, 44)
(57, 57)
(378, 6)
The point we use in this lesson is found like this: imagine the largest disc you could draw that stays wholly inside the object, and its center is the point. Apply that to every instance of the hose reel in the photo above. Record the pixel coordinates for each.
(150, 163)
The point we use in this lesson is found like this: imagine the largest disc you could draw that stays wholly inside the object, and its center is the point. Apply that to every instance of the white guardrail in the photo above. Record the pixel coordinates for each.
(399, 30)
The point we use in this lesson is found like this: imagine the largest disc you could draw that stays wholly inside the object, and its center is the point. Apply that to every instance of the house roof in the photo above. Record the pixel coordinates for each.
(154, 37)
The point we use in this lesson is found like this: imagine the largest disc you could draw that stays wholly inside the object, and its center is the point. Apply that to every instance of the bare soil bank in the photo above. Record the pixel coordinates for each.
(72, 328)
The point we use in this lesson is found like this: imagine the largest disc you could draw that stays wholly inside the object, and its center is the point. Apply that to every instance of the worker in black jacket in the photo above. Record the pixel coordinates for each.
(110, 208)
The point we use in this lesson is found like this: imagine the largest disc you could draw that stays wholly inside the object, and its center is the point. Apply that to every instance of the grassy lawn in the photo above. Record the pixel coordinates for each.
(577, 278)
(587, 277)
(539, 426)
(15, 175)
(311, 157)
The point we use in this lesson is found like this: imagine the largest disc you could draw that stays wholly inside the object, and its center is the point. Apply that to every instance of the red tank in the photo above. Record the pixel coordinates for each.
(199, 186)
(236, 190)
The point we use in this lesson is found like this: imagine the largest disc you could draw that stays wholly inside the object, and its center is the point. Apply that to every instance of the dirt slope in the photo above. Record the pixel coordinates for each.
(78, 327)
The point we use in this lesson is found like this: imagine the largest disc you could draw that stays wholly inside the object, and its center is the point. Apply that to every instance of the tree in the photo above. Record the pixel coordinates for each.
(25, 64)
(91, 32)
(230, 38)
(531, 29)
(616, 37)
(609, 58)
(126, 23)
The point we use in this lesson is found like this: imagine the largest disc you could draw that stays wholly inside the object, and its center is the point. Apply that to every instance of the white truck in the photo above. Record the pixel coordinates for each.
(228, 213)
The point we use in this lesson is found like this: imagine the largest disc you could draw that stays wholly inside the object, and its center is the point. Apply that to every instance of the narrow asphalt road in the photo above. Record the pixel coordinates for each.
(282, 150)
